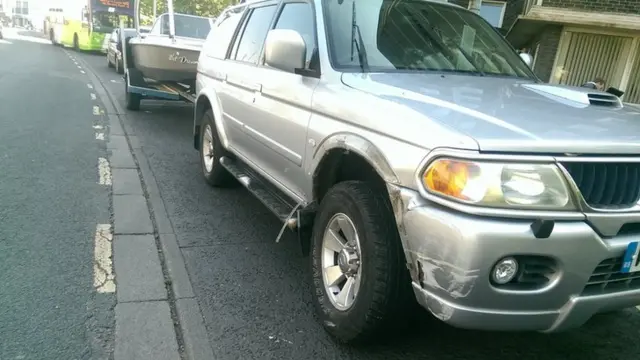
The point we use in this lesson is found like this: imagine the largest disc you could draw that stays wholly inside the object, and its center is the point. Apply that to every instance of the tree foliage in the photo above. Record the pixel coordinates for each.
(211, 8)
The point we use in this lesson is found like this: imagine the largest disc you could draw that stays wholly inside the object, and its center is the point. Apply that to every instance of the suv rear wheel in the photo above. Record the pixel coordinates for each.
(211, 151)
(360, 281)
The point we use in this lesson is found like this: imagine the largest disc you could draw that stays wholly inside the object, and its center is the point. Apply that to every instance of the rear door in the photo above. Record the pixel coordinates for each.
(213, 67)
(241, 84)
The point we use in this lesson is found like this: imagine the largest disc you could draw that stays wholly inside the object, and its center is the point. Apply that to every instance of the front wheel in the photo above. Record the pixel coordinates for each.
(360, 281)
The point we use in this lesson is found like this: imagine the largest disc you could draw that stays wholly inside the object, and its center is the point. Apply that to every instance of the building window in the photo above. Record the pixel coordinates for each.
(493, 12)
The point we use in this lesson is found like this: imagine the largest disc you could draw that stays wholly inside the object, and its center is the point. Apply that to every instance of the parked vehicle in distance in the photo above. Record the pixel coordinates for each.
(418, 157)
(114, 50)
(1, 34)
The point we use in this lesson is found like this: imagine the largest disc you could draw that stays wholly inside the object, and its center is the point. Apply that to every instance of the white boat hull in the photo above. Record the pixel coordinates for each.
(165, 62)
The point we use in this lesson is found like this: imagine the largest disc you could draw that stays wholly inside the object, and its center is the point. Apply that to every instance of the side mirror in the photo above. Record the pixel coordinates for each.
(285, 50)
(528, 59)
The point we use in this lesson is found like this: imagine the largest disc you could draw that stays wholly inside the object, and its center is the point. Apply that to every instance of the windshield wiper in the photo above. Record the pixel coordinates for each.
(358, 44)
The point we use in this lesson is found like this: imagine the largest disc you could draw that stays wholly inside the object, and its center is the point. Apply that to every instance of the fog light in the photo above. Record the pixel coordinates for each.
(504, 271)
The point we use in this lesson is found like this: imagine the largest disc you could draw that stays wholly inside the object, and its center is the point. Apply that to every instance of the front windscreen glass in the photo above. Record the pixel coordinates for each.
(416, 35)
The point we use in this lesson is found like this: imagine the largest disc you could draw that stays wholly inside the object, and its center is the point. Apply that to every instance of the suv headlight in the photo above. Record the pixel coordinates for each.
(499, 184)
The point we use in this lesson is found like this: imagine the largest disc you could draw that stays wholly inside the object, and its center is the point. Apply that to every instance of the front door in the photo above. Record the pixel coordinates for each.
(283, 105)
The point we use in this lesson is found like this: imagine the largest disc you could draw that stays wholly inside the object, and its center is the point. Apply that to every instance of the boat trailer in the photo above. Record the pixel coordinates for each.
(137, 87)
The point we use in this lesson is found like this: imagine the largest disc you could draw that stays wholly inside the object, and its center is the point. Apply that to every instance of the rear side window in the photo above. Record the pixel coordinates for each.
(222, 33)
(255, 32)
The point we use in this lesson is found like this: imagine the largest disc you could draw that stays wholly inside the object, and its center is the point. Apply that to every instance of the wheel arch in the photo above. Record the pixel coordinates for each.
(208, 100)
(347, 156)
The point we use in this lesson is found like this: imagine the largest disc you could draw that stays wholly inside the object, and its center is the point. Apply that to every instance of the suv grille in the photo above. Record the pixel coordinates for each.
(607, 185)
(607, 278)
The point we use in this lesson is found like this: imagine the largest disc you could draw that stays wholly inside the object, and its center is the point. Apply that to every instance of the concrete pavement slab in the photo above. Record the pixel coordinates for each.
(121, 158)
(126, 182)
(131, 215)
(175, 265)
(115, 128)
(196, 340)
(117, 142)
(138, 270)
(163, 224)
(144, 331)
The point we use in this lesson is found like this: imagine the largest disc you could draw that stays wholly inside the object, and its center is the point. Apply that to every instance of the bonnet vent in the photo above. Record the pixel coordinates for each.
(607, 100)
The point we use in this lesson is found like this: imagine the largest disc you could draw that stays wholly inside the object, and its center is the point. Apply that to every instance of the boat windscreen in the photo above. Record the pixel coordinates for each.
(192, 26)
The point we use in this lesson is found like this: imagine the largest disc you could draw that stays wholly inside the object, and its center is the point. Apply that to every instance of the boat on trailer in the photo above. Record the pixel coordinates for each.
(162, 63)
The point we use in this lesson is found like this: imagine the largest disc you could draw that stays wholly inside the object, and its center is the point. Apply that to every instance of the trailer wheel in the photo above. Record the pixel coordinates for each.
(211, 151)
(361, 286)
(132, 99)
(119, 67)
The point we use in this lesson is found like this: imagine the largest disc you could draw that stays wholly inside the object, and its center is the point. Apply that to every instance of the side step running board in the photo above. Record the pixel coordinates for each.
(265, 192)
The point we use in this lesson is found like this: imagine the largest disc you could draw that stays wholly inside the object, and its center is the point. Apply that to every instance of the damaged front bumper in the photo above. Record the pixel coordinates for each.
(563, 280)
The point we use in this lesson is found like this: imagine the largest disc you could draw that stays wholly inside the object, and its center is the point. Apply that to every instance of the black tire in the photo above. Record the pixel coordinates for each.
(109, 63)
(76, 45)
(119, 67)
(218, 176)
(132, 99)
(52, 37)
(385, 293)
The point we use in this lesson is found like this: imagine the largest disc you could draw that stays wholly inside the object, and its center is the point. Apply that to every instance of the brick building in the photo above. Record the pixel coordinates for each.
(573, 41)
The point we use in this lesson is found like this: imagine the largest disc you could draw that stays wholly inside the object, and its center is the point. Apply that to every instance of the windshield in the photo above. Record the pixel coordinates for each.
(416, 35)
(105, 22)
(191, 26)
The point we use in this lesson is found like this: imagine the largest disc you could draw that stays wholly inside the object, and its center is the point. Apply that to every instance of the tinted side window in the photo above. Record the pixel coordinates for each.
(299, 17)
(222, 33)
(254, 33)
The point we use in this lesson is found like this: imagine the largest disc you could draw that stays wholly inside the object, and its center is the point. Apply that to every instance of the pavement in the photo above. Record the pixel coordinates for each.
(198, 274)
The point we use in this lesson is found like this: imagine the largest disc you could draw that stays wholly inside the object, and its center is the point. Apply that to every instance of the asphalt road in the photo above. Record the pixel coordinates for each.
(50, 205)
(255, 294)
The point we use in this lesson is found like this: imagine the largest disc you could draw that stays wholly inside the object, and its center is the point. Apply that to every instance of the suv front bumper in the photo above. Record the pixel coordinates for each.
(565, 279)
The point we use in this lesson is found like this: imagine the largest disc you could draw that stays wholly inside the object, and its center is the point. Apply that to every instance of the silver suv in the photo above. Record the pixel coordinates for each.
(418, 157)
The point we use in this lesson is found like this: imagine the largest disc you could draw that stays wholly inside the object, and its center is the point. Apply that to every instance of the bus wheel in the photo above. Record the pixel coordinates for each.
(75, 42)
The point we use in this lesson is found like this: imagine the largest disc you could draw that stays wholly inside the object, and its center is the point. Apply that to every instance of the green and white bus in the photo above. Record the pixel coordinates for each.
(86, 24)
